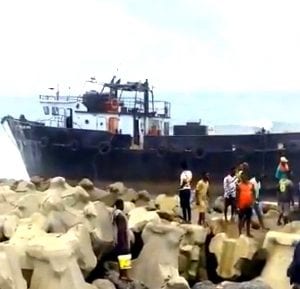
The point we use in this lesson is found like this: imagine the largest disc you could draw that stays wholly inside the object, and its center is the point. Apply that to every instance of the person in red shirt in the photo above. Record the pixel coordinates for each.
(245, 197)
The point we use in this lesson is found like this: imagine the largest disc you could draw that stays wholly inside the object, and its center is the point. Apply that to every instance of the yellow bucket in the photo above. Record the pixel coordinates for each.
(124, 261)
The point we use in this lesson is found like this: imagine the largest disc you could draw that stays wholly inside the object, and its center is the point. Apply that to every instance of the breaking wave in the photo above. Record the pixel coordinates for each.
(12, 165)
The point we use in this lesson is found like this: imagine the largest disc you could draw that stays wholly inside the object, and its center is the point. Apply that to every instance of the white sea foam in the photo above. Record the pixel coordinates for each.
(11, 163)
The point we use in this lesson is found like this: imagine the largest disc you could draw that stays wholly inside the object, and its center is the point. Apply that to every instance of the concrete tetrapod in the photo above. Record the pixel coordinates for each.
(8, 226)
(75, 197)
(94, 193)
(60, 257)
(139, 217)
(280, 253)
(157, 264)
(99, 224)
(168, 204)
(27, 230)
(192, 261)
(10, 274)
(8, 200)
(229, 251)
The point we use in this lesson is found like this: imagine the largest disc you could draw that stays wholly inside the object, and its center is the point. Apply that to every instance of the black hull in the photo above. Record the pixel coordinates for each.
(119, 163)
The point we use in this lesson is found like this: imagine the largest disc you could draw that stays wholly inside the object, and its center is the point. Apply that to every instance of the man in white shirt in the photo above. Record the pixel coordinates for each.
(185, 192)
(229, 184)
(256, 181)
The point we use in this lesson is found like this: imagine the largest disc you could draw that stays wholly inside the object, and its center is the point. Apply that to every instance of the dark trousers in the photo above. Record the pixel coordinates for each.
(245, 214)
(185, 196)
(230, 201)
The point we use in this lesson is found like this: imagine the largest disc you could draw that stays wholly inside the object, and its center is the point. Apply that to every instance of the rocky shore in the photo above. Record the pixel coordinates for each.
(54, 235)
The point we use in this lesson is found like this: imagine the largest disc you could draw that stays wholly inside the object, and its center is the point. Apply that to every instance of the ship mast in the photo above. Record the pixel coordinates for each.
(146, 97)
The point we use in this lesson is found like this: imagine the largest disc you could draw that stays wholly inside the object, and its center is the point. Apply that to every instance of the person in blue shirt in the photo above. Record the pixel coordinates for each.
(282, 169)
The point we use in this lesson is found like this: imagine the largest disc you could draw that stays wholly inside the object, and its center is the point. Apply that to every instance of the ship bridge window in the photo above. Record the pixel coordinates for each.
(55, 110)
(46, 110)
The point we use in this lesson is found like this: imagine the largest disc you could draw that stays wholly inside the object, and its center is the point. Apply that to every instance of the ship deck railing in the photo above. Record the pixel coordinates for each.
(60, 98)
(157, 108)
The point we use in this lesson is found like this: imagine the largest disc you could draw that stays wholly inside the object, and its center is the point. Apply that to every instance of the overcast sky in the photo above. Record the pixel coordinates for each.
(179, 45)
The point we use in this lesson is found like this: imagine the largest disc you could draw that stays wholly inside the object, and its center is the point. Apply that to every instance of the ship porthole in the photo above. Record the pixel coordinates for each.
(104, 148)
(74, 145)
(200, 153)
(44, 141)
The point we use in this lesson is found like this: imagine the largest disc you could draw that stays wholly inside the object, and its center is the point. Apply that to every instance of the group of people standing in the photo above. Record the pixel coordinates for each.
(241, 194)
(201, 195)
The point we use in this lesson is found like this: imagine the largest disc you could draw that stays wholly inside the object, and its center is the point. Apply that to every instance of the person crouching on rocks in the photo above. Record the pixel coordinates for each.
(245, 196)
(121, 239)
(185, 192)
(201, 196)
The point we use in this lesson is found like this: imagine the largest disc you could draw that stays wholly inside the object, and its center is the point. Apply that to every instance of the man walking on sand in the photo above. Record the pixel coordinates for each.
(230, 183)
(245, 199)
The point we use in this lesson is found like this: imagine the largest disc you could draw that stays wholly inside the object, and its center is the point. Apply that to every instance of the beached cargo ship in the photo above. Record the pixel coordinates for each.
(123, 133)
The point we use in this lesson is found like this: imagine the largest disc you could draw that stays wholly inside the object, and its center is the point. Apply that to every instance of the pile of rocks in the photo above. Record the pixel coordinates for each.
(53, 236)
